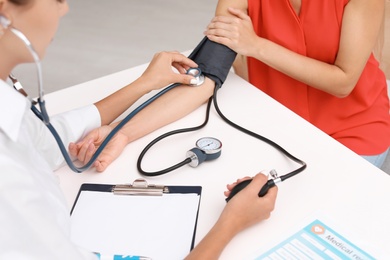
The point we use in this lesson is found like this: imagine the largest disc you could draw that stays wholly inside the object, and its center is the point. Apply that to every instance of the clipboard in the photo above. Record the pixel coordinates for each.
(154, 221)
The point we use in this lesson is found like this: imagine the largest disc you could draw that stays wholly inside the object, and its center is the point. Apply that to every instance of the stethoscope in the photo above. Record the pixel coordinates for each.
(207, 148)
(44, 117)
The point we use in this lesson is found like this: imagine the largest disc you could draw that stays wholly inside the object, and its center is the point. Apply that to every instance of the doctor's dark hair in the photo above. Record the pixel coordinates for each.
(25, 2)
(20, 2)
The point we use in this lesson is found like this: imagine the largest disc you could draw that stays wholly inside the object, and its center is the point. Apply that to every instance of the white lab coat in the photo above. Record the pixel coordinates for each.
(34, 217)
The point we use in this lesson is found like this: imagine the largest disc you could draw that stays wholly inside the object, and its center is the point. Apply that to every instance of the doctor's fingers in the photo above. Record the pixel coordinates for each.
(182, 68)
(171, 58)
(183, 79)
(180, 59)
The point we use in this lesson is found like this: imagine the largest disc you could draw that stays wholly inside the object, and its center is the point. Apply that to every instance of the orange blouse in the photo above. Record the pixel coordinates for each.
(360, 121)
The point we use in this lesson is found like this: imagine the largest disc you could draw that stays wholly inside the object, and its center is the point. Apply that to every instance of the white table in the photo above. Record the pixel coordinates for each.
(336, 182)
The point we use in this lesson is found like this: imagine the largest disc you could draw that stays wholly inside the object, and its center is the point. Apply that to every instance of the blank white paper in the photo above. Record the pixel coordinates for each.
(159, 227)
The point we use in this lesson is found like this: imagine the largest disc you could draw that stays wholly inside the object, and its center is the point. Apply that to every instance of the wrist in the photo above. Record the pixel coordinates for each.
(227, 227)
(123, 133)
(126, 139)
(259, 48)
(144, 84)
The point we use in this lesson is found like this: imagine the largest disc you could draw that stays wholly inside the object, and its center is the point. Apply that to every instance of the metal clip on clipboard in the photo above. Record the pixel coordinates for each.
(140, 187)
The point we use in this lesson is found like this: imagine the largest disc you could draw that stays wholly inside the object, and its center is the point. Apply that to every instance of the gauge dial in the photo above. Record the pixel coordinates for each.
(209, 145)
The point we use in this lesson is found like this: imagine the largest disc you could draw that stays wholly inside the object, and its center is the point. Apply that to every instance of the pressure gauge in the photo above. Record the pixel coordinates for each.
(207, 148)
(209, 145)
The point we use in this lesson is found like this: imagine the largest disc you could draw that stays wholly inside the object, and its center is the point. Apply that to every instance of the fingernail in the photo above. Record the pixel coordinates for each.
(193, 81)
(265, 172)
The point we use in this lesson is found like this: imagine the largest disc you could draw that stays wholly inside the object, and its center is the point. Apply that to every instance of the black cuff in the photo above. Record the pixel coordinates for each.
(214, 59)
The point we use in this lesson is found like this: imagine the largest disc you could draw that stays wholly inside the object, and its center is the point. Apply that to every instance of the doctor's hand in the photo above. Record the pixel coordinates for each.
(235, 31)
(85, 149)
(160, 71)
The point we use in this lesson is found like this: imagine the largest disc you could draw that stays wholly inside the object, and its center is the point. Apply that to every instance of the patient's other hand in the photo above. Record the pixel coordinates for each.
(85, 149)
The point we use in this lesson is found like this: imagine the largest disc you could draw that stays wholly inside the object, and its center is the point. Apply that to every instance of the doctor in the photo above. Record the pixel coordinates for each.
(34, 218)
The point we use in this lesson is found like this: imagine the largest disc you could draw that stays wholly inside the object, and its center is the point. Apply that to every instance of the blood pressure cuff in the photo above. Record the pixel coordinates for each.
(214, 60)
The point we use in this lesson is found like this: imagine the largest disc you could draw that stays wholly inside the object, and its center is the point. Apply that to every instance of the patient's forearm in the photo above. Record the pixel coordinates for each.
(240, 67)
(168, 108)
(213, 243)
(115, 104)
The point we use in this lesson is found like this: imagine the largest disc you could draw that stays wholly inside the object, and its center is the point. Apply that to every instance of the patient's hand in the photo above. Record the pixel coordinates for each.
(85, 149)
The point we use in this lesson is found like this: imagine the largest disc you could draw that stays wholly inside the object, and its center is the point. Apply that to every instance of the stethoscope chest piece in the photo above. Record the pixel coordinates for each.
(197, 73)
(207, 148)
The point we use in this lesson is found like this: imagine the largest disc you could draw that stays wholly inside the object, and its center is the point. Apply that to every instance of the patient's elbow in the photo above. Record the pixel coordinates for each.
(344, 82)
(344, 88)
(343, 92)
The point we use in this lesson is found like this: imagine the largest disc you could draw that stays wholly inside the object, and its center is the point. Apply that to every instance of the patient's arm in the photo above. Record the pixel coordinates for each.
(168, 108)
(240, 66)
(240, 63)
(158, 74)
(213, 59)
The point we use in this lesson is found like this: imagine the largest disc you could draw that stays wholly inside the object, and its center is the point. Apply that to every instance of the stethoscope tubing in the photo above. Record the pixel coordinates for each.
(43, 115)
(262, 138)
(229, 122)
(159, 138)
(72, 166)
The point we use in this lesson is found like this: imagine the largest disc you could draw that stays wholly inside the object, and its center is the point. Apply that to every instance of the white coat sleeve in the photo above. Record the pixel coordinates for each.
(71, 126)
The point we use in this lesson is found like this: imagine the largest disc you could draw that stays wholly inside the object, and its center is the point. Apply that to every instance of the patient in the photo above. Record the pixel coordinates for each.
(330, 79)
